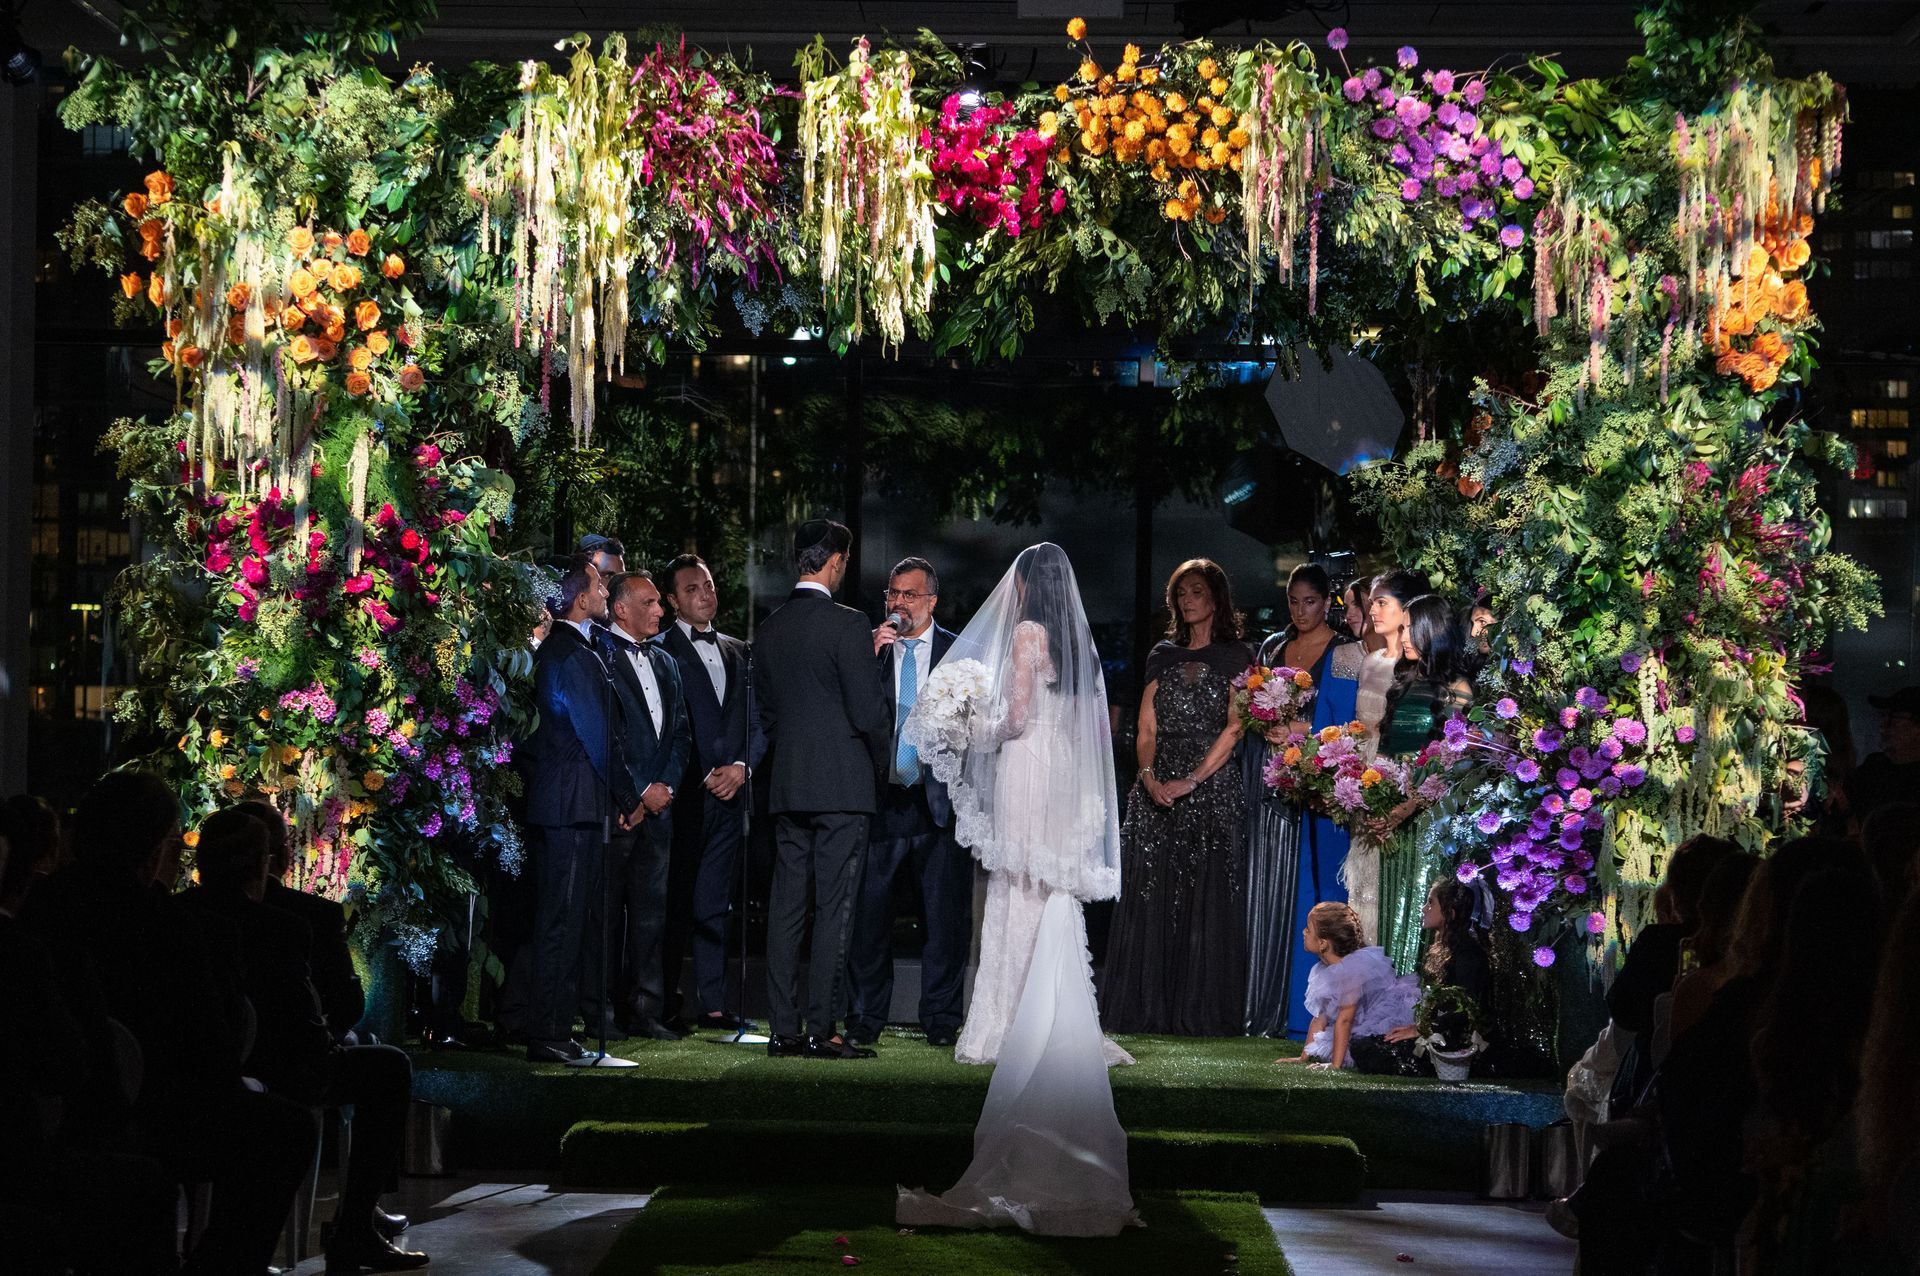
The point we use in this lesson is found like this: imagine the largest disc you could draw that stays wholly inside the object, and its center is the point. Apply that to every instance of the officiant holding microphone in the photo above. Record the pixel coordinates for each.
(912, 832)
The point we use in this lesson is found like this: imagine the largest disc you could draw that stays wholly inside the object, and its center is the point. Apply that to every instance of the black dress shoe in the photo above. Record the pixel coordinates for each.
(780, 1046)
(390, 1225)
(724, 1022)
(657, 1031)
(862, 1036)
(555, 1052)
(370, 1251)
(827, 1048)
(614, 1031)
(945, 1038)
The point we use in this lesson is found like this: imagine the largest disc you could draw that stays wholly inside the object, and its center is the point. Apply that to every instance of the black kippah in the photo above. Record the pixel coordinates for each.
(814, 531)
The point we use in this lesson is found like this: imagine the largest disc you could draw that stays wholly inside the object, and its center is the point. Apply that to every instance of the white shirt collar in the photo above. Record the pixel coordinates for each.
(688, 629)
(813, 584)
(629, 637)
(585, 627)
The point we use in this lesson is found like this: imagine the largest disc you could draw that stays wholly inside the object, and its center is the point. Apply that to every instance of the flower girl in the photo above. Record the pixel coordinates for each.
(1353, 991)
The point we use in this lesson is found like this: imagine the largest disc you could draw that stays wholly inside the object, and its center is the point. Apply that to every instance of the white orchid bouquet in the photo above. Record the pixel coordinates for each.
(957, 692)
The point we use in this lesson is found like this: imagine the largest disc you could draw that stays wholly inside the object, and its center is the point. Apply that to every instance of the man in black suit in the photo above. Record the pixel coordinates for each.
(819, 692)
(578, 793)
(295, 1053)
(912, 831)
(329, 960)
(712, 800)
(657, 739)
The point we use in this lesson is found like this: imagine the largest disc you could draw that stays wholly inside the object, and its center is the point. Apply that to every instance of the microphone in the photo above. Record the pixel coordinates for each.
(896, 621)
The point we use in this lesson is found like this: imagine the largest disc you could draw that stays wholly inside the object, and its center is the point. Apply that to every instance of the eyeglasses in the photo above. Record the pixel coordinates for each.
(905, 595)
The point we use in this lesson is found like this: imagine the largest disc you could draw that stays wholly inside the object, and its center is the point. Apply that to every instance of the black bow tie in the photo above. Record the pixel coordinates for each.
(623, 643)
(707, 635)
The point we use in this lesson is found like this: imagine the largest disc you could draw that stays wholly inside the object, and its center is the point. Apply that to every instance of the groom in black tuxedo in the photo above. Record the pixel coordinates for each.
(579, 791)
(819, 694)
(912, 832)
(711, 803)
(654, 730)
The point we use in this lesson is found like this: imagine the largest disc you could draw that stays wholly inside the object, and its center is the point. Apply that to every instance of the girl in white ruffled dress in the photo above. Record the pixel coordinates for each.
(1353, 992)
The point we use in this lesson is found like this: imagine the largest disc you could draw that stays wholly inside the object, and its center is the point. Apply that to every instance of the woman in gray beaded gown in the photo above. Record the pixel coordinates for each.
(1177, 960)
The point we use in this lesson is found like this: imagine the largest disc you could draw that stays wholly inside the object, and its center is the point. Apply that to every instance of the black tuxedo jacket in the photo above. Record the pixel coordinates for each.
(723, 734)
(291, 1038)
(329, 960)
(937, 801)
(575, 764)
(819, 693)
(652, 758)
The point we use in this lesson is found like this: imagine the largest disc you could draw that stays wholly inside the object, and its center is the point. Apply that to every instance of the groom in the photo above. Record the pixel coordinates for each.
(912, 833)
(820, 699)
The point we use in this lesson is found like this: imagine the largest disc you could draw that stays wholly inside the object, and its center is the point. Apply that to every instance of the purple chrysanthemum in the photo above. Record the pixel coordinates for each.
(1547, 740)
(1507, 708)
(1522, 922)
(1511, 236)
(1526, 770)
(1408, 57)
(1596, 923)
(1337, 39)
(1631, 730)
(1410, 189)
(1570, 717)
(1543, 957)
(1567, 778)
(1353, 89)
(1523, 667)
(1466, 872)
(1475, 92)
(1488, 822)
(1575, 884)
(1523, 189)
(1383, 128)
(1443, 82)
(1580, 799)
(1683, 734)
(1630, 662)
(1588, 698)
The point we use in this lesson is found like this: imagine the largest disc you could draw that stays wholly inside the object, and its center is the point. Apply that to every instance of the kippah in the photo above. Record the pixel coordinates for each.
(815, 531)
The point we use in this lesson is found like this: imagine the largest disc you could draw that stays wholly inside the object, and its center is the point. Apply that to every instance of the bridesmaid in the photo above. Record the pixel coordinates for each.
(1177, 961)
(1391, 591)
(1427, 690)
(1294, 855)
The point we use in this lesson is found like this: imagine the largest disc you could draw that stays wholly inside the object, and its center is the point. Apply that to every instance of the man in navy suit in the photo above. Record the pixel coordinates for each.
(578, 792)
(657, 738)
(710, 803)
(911, 831)
(819, 691)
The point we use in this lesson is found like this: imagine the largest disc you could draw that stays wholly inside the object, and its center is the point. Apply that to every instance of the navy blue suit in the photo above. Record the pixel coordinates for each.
(638, 859)
(707, 833)
(578, 786)
(912, 830)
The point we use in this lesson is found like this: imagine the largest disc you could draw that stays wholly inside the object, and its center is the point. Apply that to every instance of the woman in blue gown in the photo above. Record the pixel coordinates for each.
(1294, 855)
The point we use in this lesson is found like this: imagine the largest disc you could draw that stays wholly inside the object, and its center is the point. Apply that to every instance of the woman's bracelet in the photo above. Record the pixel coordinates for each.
(1146, 773)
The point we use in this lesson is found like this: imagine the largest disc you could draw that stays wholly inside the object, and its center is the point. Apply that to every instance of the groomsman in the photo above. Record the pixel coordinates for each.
(912, 831)
(657, 740)
(819, 692)
(711, 800)
(578, 790)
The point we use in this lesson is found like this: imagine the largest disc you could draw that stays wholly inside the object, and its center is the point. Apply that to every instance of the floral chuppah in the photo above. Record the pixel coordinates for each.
(332, 502)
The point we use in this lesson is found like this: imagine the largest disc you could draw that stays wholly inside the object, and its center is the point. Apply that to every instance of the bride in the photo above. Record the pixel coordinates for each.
(1030, 772)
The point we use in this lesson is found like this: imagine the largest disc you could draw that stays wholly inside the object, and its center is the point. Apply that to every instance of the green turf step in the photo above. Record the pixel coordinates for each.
(641, 1155)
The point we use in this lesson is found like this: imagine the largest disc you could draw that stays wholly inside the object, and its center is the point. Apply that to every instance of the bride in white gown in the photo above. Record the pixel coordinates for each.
(1030, 772)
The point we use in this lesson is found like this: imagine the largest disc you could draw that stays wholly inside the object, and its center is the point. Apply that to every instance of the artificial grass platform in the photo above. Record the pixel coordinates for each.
(1414, 1132)
(687, 1232)
(641, 1155)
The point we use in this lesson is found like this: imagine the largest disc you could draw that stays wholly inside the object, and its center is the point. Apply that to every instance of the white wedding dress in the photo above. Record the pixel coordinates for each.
(1049, 1154)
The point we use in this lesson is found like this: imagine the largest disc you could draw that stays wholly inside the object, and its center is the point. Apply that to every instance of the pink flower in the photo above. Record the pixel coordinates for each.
(1410, 189)
(358, 584)
(1596, 923)
(1543, 957)
(1337, 39)
(1353, 88)
(1408, 57)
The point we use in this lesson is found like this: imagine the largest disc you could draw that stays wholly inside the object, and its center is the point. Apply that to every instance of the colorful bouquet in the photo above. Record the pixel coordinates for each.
(1328, 770)
(1264, 697)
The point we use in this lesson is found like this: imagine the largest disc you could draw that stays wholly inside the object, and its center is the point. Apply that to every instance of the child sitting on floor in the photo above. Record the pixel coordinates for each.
(1353, 991)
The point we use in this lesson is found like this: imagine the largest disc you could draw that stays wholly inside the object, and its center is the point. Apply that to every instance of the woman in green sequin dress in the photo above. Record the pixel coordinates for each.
(1427, 690)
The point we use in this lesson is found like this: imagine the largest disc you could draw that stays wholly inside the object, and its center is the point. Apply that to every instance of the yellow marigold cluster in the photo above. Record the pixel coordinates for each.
(1172, 134)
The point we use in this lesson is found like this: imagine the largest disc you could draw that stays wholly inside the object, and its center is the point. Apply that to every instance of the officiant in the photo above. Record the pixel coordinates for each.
(911, 833)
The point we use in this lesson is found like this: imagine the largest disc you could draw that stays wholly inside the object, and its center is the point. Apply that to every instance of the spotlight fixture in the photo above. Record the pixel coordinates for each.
(976, 74)
(19, 61)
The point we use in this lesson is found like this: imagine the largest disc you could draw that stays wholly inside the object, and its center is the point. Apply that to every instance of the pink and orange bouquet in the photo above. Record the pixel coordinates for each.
(1329, 770)
(1264, 697)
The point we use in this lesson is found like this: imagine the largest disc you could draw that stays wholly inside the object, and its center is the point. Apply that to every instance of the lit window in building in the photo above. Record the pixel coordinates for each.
(1892, 388)
(1883, 239)
(1880, 418)
(1877, 507)
(1894, 448)
(1883, 270)
(1889, 478)
(1901, 212)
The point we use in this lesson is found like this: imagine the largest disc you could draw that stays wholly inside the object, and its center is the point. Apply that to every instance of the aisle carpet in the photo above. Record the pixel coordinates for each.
(1414, 1133)
(683, 1232)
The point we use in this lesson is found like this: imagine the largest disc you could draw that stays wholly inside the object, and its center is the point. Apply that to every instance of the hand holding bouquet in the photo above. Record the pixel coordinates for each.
(1265, 698)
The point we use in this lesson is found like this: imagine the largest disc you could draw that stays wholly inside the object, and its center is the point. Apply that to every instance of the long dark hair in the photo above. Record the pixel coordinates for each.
(1042, 570)
(1228, 625)
(1431, 630)
(1400, 585)
(1454, 899)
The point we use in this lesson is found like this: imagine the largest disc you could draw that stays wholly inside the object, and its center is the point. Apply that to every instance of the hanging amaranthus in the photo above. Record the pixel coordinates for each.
(566, 178)
(868, 191)
(1278, 168)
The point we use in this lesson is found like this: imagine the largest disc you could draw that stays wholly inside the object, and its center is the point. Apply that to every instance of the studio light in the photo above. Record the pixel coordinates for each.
(19, 61)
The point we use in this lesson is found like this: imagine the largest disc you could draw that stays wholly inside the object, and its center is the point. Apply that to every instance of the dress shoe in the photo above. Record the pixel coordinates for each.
(655, 1030)
(780, 1046)
(721, 1021)
(819, 1047)
(555, 1052)
(612, 1030)
(944, 1038)
(390, 1225)
(862, 1036)
(370, 1251)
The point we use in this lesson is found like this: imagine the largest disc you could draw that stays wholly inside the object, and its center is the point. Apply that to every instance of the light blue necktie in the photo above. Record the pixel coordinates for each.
(906, 758)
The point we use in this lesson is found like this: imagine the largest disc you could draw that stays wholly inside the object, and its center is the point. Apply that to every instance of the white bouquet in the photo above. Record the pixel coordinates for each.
(943, 717)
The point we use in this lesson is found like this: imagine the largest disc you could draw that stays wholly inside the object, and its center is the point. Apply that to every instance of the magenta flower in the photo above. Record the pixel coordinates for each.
(1466, 872)
(1371, 79)
(1511, 236)
(1410, 189)
(1570, 717)
(1580, 799)
(1384, 128)
(1588, 698)
(1596, 923)
(1510, 169)
(1543, 957)
(1567, 778)
(1407, 57)
(1337, 39)
(1507, 708)
(1523, 189)
(1631, 730)
(1353, 88)
(1547, 740)
(1526, 770)
(1522, 922)
(1475, 92)
(1683, 734)
(1443, 82)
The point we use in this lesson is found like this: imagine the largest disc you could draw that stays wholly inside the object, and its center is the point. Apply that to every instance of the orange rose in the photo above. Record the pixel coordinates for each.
(212, 205)
(300, 239)
(1793, 301)
(378, 342)
(135, 203)
(1728, 363)
(323, 349)
(159, 188)
(343, 278)
(301, 283)
(411, 378)
(292, 318)
(1764, 378)
(358, 243)
(193, 356)
(1736, 320)
(132, 283)
(1770, 346)
(336, 332)
(237, 329)
(151, 234)
(157, 290)
(366, 315)
(176, 326)
(332, 239)
(358, 383)
(1292, 756)
(1795, 255)
(303, 350)
(239, 295)
(360, 358)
